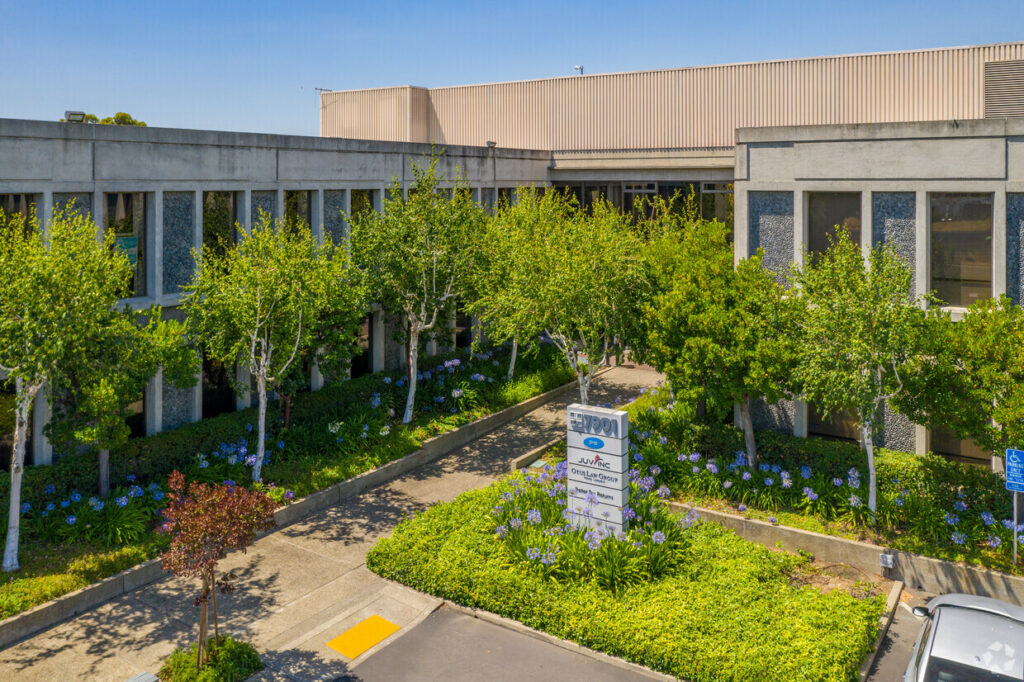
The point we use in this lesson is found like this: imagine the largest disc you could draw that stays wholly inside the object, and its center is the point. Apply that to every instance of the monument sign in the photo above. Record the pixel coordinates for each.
(597, 457)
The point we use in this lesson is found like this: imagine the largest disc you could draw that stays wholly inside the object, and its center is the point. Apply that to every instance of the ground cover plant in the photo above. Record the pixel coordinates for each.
(927, 504)
(72, 537)
(675, 594)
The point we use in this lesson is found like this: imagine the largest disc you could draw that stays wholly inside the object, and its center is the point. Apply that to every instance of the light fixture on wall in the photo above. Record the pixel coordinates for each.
(578, 69)
(492, 144)
(74, 116)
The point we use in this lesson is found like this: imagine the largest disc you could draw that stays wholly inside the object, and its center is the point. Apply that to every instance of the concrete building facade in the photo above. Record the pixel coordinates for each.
(156, 185)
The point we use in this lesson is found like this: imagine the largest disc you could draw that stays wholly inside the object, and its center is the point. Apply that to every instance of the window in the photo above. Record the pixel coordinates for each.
(825, 212)
(716, 202)
(361, 200)
(362, 362)
(220, 216)
(25, 204)
(298, 208)
(126, 219)
(961, 234)
(842, 426)
(633, 192)
(945, 442)
(506, 195)
(218, 391)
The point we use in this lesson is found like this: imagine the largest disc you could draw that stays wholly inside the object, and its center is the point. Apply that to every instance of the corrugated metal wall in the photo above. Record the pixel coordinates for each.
(377, 114)
(1004, 89)
(696, 107)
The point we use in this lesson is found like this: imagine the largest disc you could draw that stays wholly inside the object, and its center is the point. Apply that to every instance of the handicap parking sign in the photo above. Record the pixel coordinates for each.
(1015, 470)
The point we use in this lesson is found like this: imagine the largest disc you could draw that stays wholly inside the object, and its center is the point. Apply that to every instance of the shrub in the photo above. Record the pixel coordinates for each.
(730, 610)
(230, 661)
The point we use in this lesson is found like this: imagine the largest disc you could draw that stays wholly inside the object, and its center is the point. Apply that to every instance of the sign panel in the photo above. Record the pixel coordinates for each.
(1015, 470)
(597, 457)
(611, 446)
(596, 460)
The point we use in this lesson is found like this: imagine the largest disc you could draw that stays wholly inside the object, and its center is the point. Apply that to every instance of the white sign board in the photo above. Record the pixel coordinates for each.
(597, 457)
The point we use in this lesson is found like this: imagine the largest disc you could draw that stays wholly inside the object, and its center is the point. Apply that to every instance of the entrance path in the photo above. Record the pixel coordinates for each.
(304, 585)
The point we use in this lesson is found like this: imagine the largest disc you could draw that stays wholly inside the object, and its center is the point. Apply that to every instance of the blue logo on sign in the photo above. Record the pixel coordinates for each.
(1015, 470)
(593, 443)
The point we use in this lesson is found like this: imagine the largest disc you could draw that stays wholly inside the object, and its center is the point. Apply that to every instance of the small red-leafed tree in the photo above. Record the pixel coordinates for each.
(206, 522)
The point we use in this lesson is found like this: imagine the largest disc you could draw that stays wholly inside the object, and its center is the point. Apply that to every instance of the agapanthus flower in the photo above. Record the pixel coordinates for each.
(516, 523)
(130, 477)
(50, 507)
(960, 505)
(958, 538)
(810, 494)
(727, 484)
(26, 507)
(663, 492)
(646, 484)
(899, 501)
(805, 472)
(769, 482)
(837, 482)
(987, 518)
(533, 553)
(638, 457)
(742, 507)
(772, 520)
(694, 456)
(49, 489)
(533, 516)
(696, 470)
(952, 519)
(628, 513)
(76, 496)
(746, 476)
(122, 501)
(763, 467)
(657, 537)
(655, 470)
(65, 504)
(548, 558)
(712, 467)
(994, 541)
(501, 531)
(71, 520)
(289, 495)
(855, 501)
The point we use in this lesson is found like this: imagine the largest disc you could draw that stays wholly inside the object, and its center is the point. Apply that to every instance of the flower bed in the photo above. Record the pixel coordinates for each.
(689, 599)
(71, 538)
(927, 504)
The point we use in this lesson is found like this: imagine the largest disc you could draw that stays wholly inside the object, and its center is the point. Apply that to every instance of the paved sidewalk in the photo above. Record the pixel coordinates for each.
(303, 585)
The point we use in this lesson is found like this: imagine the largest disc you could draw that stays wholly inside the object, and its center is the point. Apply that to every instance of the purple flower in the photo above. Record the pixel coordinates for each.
(501, 531)
(130, 477)
(694, 456)
(994, 541)
(548, 559)
(696, 470)
(628, 513)
(837, 482)
(122, 501)
(49, 489)
(289, 495)
(646, 484)
(663, 492)
(533, 553)
(958, 538)
(742, 507)
(805, 472)
(987, 518)
(661, 439)
(769, 482)
(746, 476)
(772, 520)
(71, 520)
(855, 501)
(712, 467)
(960, 505)
(658, 537)
(952, 519)
(638, 457)
(810, 494)
(655, 470)
(533, 516)
(727, 484)
(516, 523)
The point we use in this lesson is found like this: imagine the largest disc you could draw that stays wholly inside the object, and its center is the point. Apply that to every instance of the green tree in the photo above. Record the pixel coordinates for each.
(417, 255)
(96, 387)
(505, 267)
(719, 332)
(969, 376)
(260, 303)
(575, 275)
(861, 330)
(118, 119)
(55, 297)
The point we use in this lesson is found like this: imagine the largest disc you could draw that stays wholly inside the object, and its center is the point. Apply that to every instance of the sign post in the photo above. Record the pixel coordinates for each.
(1015, 483)
(597, 457)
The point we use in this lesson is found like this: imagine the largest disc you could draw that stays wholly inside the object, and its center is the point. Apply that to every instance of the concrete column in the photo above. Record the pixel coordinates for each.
(316, 379)
(243, 394)
(923, 244)
(999, 243)
(99, 211)
(279, 204)
(346, 206)
(197, 397)
(800, 419)
(42, 449)
(922, 439)
(317, 210)
(866, 223)
(245, 211)
(799, 226)
(377, 341)
(154, 404)
(740, 226)
(157, 261)
(44, 211)
(197, 222)
(378, 199)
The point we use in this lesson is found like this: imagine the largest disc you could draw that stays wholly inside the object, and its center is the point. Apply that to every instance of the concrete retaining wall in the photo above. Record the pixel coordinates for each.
(46, 615)
(916, 571)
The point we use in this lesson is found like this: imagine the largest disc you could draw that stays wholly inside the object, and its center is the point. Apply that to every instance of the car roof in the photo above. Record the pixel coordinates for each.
(970, 601)
(980, 639)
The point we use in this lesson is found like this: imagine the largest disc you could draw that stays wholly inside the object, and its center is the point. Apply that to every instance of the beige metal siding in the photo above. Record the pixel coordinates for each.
(690, 108)
(378, 114)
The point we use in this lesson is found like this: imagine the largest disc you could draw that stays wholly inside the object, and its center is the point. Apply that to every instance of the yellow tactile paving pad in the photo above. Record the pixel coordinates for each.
(362, 636)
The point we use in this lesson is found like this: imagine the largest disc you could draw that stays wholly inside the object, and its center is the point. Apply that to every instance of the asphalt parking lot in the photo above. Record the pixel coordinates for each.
(899, 640)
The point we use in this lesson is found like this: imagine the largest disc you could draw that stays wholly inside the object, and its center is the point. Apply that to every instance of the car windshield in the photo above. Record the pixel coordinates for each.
(941, 670)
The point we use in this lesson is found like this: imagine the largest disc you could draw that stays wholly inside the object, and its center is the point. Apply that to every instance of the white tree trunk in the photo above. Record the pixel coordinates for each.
(869, 447)
(410, 401)
(583, 378)
(748, 432)
(261, 386)
(512, 361)
(104, 465)
(24, 404)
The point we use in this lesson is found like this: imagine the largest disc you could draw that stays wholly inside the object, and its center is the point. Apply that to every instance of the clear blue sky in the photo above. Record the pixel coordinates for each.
(253, 66)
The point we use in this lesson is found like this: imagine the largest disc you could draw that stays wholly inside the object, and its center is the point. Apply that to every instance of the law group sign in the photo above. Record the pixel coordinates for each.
(597, 458)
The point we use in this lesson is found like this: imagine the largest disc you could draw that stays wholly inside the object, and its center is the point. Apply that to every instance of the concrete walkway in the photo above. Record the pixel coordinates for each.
(303, 585)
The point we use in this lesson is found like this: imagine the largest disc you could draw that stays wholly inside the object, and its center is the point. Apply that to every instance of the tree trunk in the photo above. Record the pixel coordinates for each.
(213, 603)
(748, 432)
(261, 386)
(104, 464)
(512, 361)
(869, 447)
(410, 401)
(204, 626)
(17, 470)
(583, 378)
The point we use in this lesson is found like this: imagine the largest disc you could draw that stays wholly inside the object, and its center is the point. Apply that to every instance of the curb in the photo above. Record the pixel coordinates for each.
(516, 626)
(883, 628)
(523, 461)
(66, 606)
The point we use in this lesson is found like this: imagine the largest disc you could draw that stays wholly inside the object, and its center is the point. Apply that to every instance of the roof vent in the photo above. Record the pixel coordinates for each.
(1004, 89)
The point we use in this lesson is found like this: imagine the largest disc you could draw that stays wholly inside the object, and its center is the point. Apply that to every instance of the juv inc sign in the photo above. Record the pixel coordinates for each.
(597, 456)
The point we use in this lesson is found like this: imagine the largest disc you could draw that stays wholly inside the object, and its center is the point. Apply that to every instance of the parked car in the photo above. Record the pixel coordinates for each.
(968, 639)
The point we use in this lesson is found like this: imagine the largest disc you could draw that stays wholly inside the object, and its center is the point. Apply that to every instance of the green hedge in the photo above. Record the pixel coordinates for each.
(732, 611)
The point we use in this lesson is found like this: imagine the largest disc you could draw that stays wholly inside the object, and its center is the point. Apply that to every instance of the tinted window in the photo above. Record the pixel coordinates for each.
(828, 211)
(961, 233)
